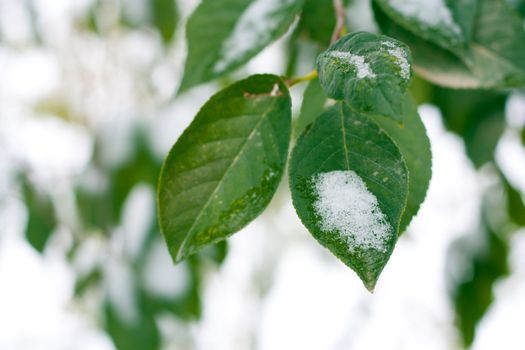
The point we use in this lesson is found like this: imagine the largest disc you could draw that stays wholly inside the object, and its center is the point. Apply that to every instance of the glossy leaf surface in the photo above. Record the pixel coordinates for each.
(369, 72)
(226, 166)
(224, 34)
(349, 186)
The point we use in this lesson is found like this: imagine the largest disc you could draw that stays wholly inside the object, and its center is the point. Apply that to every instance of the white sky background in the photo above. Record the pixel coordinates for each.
(278, 289)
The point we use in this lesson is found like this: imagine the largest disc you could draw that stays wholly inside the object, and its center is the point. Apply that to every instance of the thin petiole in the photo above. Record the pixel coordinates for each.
(310, 76)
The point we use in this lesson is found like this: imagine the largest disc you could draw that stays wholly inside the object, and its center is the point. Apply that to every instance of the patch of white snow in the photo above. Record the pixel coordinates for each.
(345, 205)
(363, 69)
(254, 26)
(433, 13)
(401, 58)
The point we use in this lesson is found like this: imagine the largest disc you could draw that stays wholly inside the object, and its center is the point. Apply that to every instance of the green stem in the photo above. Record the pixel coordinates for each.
(310, 76)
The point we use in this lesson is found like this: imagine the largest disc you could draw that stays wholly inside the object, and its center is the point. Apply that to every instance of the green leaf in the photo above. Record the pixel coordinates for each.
(519, 5)
(140, 333)
(464, 14)
(477, 116)
(102, 208)
(222, 35)
(492, 55)
(411, 139)
(369, 72)
(485, 259)
(430, 61)
(313, 105)
(349, 186)
(414, 145)
(225, 168)
(41, 219)
(515, 204)
(497, 54)
(434, 21)
(165, 17)
(143, 166)
(85, 282)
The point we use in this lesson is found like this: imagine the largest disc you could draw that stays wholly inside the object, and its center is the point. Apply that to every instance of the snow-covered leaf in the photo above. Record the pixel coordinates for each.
(224, 34)
(349, 186)
(487, 52)
(370, 72)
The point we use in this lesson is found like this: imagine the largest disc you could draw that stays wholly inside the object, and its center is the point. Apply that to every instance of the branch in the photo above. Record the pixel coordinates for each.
(339, 20)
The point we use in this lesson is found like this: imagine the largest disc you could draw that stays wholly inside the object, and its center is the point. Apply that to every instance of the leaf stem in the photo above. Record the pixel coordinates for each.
(310, 76)
(339, 20)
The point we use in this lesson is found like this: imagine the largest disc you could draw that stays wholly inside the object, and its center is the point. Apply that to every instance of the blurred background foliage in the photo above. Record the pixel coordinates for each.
(106, 208)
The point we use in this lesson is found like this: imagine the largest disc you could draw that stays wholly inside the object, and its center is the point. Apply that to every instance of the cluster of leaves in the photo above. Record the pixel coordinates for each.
(478, 117)
(101, 212)
(483, 256)
(227, 165)
(357, 117)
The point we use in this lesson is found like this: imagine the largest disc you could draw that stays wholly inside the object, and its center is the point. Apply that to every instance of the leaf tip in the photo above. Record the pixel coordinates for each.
(369, 274)
(369, 281)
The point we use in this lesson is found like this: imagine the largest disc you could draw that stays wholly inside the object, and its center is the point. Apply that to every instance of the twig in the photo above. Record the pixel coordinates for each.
(310, 76)
(339, 20)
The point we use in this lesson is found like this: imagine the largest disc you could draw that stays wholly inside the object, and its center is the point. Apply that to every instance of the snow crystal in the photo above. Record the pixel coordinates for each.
(363, 68)
(345, 205)
(401, 57)
(255, 25)
(433, 13)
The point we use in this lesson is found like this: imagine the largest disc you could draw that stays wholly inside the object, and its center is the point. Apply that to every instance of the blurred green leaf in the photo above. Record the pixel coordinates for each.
(313, 104)
(91, 20)
(438, 27)
(140, 333)
(477, 116)
(165, 16)
(222, 35)
(333, 151)
(41, 219)
(142, 167)
(225, 168)
(515, 204)
(370, 72)
(485, 256)
(95, 209)
(421, 90)
(187, 305)
(464, 13)
(82, 284)
(493, 57)
(103, 209)
(216, 252)
(430, 61)
(519, 5)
